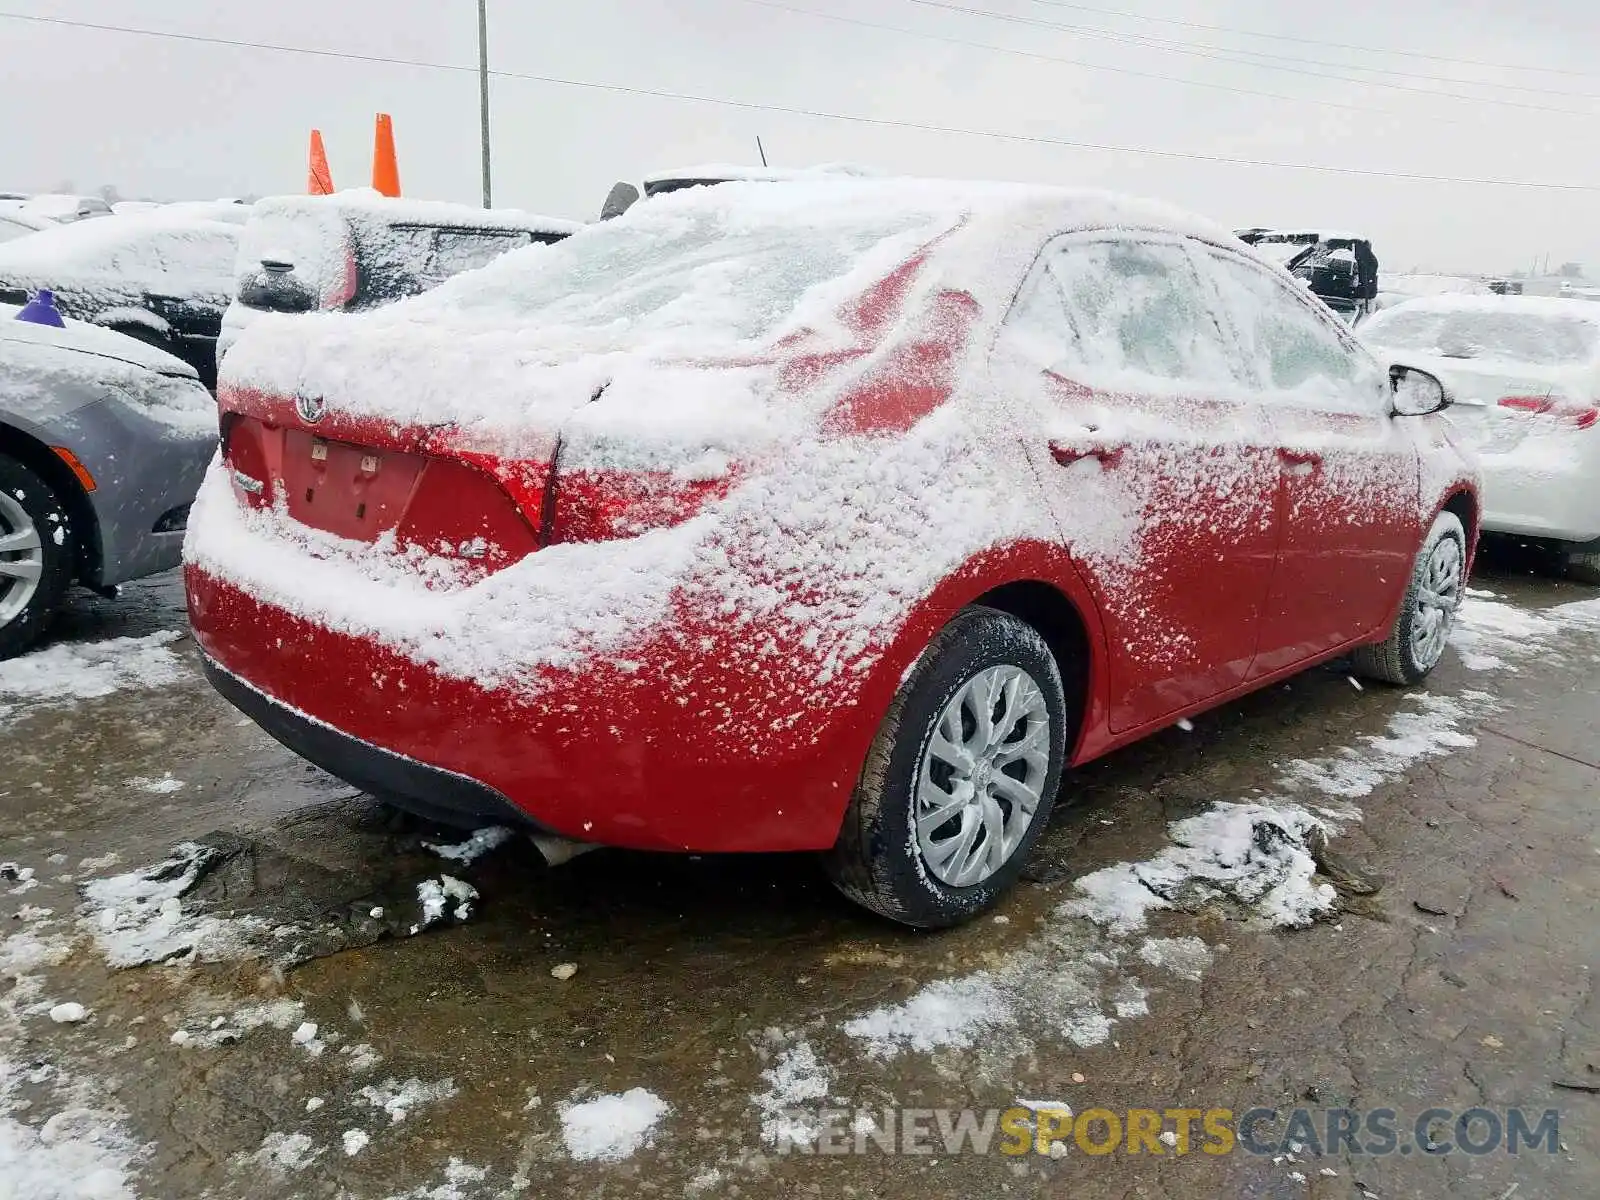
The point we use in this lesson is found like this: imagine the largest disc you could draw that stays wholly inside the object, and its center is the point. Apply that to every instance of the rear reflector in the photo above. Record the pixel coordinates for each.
(1567, 412)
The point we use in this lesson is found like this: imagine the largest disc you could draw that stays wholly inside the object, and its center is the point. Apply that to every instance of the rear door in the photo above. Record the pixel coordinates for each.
(1349, 473)
(1156, 460)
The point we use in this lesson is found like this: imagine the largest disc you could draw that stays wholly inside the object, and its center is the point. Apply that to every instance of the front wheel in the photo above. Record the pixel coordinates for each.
(960, 781)
(1427, 615)
(35, 557)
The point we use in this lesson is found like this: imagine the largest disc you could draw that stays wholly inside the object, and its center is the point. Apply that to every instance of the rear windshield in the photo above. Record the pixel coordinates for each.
(1537, 338)
(697, 274)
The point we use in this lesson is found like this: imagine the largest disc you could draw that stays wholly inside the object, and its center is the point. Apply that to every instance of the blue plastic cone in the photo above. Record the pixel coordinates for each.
(42, 310)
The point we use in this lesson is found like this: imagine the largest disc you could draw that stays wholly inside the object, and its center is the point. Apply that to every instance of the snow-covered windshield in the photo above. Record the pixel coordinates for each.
(692, 273)
(1538, 338)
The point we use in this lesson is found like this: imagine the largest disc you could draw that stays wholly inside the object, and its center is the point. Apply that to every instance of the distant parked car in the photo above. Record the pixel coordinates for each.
(103, 442)
(163, 279)
(14, 223)
(815, 516)
(1340, 269)
(357, 250)
(1525, 374)
(65, 209)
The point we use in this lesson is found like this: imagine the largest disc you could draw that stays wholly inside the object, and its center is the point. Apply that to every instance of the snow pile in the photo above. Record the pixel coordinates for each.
(139, 917)
(611, 1128)
(438, 895)
(1255, 854)
(399, 1098)
(797, 1079)
(222, 1030)
(79, 1153)
(69, 671)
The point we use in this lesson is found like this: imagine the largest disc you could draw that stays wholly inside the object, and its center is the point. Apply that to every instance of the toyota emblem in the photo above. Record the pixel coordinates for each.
(310, 408)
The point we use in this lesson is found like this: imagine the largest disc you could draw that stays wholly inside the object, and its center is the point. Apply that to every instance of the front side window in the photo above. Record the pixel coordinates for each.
(1293, 346)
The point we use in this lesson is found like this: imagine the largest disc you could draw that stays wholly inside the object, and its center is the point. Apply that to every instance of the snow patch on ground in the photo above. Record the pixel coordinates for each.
(399, 1099)
(458, 1177)
(798, 1078)
(480, 843)
(1257, 854)
(1427, 731)
(79, 1153)
(287, 1151)
(436, 897)
(611, 1128)
(139, 917)
(1186, 957)
(69, 671)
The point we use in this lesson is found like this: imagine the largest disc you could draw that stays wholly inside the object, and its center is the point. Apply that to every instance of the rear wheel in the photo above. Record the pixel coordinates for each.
(960, 781)
(35, 557)
(1427, 615)
(1584, 566)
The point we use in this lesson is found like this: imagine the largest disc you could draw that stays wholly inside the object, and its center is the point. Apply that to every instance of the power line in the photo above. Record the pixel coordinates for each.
(1072, 62)
(1305, 41)
(818, 114)
(1179, 48)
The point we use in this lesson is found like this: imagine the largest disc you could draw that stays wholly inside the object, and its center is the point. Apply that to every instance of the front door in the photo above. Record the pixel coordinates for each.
(1156, 460)
(1348, 471)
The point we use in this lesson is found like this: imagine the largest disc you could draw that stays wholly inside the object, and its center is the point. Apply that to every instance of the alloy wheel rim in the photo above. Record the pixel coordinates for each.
(21, 558)
(982, 776)
(1439, 595)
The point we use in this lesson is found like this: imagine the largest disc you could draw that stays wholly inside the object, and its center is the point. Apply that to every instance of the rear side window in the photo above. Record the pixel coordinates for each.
(1292, 344)
(458, 250)
(1126, 309)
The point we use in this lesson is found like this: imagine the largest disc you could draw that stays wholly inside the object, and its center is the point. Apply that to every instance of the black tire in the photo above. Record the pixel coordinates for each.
(876, 862)
(41, 509)
(1394, 660)
(1583, 566)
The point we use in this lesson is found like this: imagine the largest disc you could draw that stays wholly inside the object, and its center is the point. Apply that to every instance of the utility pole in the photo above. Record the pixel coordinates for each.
(761, 150)
(483, 97)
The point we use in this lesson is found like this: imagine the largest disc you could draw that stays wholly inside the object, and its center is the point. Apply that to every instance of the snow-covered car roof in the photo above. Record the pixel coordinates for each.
(732, 172)
(398, 211)
(84, 338)
(63, 207)
(695, 275)
(193, 256)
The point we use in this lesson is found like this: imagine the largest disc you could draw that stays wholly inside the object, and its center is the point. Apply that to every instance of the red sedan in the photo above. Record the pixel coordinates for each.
(836, 516)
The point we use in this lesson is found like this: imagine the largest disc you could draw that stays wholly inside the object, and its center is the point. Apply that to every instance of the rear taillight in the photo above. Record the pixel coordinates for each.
(1569, 413)
(597, 506)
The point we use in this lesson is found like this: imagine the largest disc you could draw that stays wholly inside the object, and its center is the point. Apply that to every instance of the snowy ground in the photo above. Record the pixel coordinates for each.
(222, 971)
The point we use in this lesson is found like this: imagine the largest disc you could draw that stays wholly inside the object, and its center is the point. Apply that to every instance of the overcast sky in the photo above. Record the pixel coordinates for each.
(171, 119)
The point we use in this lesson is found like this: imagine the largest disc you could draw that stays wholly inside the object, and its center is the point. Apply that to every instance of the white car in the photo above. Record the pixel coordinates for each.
(1525, 375)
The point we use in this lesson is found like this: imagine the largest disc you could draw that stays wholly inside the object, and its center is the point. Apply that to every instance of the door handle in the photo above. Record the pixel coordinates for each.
(1300, 458)
(1067, 453)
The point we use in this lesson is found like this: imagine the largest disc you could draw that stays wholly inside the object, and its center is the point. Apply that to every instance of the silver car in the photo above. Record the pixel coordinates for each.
(103, 442)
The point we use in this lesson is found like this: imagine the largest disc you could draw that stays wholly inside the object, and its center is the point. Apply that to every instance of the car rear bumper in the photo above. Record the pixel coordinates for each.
(428, 791)
(1544, 495)
(601, 755)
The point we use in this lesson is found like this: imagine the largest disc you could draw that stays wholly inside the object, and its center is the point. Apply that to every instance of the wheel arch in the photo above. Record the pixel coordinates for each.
(42, 461)
(1057, 619)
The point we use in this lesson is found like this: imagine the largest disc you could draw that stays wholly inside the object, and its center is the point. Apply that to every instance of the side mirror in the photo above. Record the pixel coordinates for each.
(619, 200)
(1415, 392)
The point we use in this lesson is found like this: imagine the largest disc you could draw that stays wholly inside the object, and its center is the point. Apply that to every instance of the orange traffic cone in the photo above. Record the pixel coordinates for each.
(320, 182)
(385, 168)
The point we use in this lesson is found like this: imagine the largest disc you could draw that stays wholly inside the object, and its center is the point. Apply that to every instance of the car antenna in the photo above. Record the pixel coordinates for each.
(761, 150)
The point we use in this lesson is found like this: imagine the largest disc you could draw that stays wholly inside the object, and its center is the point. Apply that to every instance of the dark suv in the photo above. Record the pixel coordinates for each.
(359, 250)
(1340, 269)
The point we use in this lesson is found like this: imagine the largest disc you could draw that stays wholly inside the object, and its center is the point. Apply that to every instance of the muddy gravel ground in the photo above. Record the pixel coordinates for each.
(207, 899)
